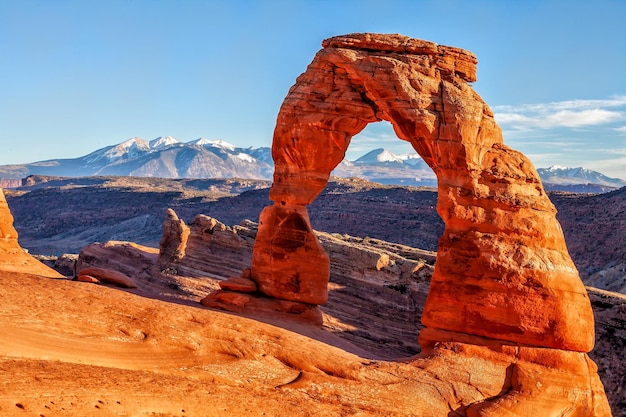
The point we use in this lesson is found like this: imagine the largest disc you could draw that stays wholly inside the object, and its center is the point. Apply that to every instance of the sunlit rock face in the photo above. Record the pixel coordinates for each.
(502, 270)
(12, 257)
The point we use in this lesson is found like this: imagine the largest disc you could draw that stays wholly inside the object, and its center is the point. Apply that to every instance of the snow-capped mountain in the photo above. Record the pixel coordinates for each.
(384, 157)
(378, 156)
(163, 142)
(567, 176)
(164, 156)
(385, 167)
(131, 148)
(168, 157)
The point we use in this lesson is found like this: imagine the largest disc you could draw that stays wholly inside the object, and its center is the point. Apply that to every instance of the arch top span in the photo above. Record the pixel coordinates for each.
(502, 269)
(420, 87)
(448, 59)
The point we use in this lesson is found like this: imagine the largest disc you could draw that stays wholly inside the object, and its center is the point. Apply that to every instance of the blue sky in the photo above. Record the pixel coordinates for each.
(79, 75)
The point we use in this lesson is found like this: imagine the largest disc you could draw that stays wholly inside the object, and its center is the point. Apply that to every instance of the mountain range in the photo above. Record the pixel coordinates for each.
(167, 157)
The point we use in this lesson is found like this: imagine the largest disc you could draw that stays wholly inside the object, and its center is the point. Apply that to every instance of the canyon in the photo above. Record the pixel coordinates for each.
(506, 323)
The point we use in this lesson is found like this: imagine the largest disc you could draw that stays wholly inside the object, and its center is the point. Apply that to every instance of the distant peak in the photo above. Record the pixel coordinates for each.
(557, 168)
(162, 142)
(134, 140)
(379, 155)
(218, 143)
(199, 141)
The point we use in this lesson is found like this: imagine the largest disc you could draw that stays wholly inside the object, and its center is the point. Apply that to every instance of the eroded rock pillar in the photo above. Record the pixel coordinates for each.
(12, 257)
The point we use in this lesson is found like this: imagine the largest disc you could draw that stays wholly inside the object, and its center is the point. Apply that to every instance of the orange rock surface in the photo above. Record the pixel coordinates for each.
(87, 350)
(106, 275)
(12, 256)
(502, 269)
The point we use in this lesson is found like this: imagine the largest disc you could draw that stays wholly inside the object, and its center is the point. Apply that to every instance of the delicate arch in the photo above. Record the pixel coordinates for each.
(502, 269)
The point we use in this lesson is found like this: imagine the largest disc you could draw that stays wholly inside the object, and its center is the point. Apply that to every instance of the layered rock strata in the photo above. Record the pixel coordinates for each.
(391, 274)
(206, 247)
(12, 257)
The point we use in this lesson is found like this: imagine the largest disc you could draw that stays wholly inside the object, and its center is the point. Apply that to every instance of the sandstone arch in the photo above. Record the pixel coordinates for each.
(503, 270)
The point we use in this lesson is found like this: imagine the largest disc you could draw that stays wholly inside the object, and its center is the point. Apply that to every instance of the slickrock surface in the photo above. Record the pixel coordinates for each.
(12, 256)
(503, 270)
(84, 349)
(372, 307)
(128, 258)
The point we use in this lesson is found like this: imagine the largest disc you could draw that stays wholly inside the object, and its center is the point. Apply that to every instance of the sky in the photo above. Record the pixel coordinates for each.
(79, 75)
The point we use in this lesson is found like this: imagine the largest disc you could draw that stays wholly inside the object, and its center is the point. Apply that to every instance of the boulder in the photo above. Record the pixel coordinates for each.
(128, 258)
(239, 284)
(106, 275)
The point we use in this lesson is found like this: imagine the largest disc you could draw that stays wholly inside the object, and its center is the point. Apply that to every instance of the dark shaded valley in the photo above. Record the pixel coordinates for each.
(61, 215)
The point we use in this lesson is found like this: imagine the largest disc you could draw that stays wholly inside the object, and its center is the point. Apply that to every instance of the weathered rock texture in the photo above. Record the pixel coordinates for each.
(174, 241)
(388, 275)
(503, 270)
(12, 256)
(610, 313)
(209, 248)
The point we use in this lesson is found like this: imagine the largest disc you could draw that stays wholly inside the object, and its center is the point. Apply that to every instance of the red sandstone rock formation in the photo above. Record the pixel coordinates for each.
(117, 263)
(12, 256)
(199, 257)
(174, 240)
(503, 270)
(110, 276)
(503, 277)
